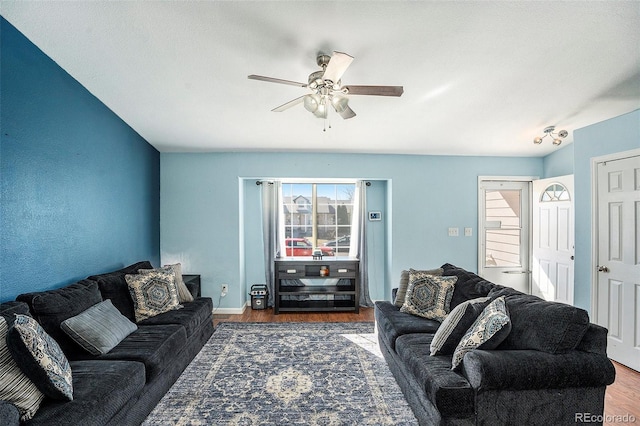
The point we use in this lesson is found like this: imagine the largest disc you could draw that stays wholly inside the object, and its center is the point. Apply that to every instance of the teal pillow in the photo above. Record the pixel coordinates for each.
(40, 358)
(98, 329)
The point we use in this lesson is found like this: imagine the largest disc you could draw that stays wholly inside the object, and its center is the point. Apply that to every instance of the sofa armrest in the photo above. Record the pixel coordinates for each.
(9, 414)
(529, 369)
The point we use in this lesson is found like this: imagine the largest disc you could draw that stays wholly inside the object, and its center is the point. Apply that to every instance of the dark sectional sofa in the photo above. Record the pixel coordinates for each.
(551, 367)
(122, 386)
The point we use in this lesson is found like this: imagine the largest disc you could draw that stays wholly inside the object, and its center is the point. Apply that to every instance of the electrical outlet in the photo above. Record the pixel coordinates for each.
(224, 289)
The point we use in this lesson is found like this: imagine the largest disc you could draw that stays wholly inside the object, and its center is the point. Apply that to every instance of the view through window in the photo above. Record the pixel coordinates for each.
(317, 215)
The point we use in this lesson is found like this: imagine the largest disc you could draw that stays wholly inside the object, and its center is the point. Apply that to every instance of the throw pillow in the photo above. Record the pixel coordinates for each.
(15, 387)
(428, 295)
(184, 295)
(153, 293)
(456, 324)
(40, 358)
(404, 284)
(487, 331)
(98, 329)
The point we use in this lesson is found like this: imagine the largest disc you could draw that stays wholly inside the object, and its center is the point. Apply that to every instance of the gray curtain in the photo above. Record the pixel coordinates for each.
(270, 194)
(359, 244)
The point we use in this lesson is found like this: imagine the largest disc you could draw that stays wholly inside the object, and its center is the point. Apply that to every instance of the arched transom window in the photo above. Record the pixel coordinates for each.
(555, 192)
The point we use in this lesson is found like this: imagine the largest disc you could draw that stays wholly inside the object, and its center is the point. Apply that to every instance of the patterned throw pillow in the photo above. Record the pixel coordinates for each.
(98, 329)
(456, 324)
(184, 295)
(153, 293)
(487, 332)
(40, 358)
(15, 387)
(428, 296)
(404, 284)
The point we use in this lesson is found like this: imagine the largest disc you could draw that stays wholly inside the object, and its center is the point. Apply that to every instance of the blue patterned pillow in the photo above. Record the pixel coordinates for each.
(153, 293)
(487, 332)
(456, 324)
(428, 296)
(40, 358)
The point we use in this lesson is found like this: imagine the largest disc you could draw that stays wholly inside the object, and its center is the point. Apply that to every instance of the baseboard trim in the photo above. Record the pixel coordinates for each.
(229, 311)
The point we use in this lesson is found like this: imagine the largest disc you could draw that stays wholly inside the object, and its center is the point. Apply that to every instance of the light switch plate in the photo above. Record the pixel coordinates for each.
(468, 232)
(454, 232)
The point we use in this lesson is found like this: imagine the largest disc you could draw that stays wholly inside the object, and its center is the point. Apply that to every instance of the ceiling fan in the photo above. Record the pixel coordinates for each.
(326, 88)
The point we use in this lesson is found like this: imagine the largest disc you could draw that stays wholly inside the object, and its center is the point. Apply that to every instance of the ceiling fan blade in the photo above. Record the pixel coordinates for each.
(289, 104)
(375, 90)
(338, 64)
(275, 80)
(347, 113)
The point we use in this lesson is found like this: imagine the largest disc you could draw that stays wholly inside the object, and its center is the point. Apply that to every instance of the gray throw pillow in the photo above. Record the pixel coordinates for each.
(184, 295)
(98, 329)
(428, 296)
(153, 293)
(40, 358)
(15, 387)
(487, 332)
(456, 324)
(404, 284)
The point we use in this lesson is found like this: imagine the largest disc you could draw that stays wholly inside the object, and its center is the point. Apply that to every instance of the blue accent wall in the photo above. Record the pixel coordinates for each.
(79, 188)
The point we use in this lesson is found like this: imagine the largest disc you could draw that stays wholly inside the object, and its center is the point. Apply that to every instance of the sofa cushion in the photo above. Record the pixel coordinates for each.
(428, 296)
(401, 292)
(15, 387)
(456, 324)
(40, 358)
(153, 293)
(191, 316)
(447, 390)
(52, 307)
(469, 285)
(394, 323)
(542, 325)
(114, 286)
(155, 346)
(486, 332)
(101, 389)
(99, 328)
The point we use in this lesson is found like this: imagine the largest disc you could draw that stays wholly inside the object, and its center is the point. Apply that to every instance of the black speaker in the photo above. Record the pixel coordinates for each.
(259, 293)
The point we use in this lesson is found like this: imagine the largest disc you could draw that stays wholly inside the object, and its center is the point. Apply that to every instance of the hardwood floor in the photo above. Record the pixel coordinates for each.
(621, 398)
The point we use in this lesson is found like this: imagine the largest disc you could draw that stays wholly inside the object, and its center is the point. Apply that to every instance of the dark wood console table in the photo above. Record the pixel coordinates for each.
(310, 275)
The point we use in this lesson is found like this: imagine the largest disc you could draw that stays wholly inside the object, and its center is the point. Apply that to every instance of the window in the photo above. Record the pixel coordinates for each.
(317, 215)
(555, 192)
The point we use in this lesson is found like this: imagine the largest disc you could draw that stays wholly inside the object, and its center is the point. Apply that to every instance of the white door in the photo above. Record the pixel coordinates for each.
(553, 239)
(618, 257)
(504, 233)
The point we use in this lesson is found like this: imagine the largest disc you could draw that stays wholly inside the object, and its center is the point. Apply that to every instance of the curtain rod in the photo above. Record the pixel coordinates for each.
(270, 182)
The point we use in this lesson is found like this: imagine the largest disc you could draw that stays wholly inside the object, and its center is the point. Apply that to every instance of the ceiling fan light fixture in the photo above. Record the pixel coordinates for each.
(311, 103)
(340, 103)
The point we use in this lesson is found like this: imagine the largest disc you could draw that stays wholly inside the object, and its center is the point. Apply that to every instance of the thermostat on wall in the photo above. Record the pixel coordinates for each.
(375, 216)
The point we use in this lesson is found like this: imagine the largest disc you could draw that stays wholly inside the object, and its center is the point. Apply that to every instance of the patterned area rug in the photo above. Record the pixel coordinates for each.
(286, 374)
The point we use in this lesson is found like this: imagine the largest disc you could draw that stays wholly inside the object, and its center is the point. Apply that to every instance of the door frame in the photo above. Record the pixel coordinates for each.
(481, 179)
(595, 233)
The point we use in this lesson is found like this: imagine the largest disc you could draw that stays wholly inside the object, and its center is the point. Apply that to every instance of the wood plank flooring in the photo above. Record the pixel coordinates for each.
(622, 397)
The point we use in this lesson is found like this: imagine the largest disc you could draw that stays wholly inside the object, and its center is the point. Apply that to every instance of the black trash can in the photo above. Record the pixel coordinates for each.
(259, 294)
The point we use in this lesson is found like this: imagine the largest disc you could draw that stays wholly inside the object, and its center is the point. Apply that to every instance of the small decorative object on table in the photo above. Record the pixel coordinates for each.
(317, 254)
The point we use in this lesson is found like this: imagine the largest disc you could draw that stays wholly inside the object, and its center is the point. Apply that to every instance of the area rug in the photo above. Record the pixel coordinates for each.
(286, 374)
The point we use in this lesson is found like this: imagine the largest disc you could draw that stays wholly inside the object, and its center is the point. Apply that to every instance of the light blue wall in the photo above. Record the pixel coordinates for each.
(615, 135)
(79, 188)
(210, 215)
(559, 163)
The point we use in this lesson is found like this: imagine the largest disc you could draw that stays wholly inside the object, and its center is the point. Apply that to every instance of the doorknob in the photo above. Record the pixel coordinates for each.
(603, 269)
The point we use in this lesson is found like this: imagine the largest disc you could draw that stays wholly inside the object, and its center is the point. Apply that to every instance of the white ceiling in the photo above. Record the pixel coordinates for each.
(480, 78)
